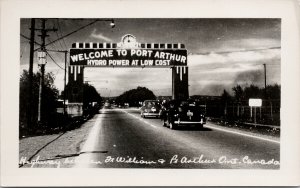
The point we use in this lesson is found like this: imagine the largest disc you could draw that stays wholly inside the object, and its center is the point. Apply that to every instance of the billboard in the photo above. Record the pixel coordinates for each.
(128, 57)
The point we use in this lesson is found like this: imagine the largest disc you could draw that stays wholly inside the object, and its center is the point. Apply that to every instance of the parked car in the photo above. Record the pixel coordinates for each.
(182, 113)
(150, 108)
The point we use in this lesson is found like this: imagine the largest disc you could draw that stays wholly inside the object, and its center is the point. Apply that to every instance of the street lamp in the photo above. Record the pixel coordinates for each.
(112, 24)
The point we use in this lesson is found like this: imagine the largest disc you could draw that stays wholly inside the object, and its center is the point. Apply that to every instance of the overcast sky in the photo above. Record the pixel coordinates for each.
(222, 52)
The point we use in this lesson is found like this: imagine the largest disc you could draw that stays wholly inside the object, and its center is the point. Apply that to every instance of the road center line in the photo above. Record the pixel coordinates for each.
(243, 134)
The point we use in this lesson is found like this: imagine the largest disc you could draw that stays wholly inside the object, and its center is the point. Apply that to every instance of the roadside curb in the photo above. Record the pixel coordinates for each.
(260, 125)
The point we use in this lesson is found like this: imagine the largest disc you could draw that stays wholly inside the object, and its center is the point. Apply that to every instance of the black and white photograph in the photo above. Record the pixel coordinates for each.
(150, 93)
(98, 93)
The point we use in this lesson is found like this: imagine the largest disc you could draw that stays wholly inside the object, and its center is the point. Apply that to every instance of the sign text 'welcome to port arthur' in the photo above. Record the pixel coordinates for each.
(128, 57)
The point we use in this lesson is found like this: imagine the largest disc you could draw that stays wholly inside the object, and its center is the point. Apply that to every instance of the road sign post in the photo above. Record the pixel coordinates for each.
(254, 103)
(255, 115)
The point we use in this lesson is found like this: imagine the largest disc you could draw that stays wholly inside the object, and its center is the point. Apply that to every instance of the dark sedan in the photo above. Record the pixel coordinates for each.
(182, 113)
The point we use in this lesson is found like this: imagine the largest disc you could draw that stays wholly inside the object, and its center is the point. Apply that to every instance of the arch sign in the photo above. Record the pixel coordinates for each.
(127, 57)
(128, 53)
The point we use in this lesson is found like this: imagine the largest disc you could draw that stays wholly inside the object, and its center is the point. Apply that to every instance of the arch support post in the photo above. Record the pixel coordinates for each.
(75, 90)
(180, 84)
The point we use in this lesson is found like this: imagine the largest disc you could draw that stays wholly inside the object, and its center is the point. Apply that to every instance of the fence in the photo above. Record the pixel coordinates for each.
(268, 113)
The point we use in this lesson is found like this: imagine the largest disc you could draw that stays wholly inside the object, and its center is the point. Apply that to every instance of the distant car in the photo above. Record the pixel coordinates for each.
(182, 113)
(107, 105)
(150, 108)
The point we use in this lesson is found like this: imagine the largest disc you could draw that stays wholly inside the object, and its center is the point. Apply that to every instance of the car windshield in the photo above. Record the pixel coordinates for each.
(151, 103)
(188, 103)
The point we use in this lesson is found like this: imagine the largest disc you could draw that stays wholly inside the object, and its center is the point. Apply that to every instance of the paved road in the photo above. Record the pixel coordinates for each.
(120, 138)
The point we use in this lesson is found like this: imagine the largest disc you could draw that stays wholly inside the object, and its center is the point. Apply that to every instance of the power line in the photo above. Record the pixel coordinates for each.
(59, 41)
(70, 33)
(56, 32)
(55, 50)
(51, 50)
(59, 29)
(24, 49)
(29, 39)
(220, 67)
(54, 61)
(226, 52)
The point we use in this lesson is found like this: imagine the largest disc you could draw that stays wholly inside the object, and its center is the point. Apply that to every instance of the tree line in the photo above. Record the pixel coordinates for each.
(51, 120)
(48, 105)
(242, 95)
(134, 96)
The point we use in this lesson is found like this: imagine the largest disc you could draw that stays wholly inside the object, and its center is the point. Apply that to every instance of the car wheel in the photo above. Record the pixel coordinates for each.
(164, 124)
(172, 125)
(200, 126)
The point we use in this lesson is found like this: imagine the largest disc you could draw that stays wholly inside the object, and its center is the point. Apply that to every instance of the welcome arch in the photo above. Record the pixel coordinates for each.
(128, 53)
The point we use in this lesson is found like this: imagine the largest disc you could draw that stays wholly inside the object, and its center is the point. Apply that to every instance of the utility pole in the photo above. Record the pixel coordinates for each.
(66, 53)
(265, 71)
(271, 110)
(43, 37)
(42, 65)
(29, 105)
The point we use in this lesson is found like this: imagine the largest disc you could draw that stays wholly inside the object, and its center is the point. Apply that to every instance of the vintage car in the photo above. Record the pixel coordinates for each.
(150, 108)
(182, 113)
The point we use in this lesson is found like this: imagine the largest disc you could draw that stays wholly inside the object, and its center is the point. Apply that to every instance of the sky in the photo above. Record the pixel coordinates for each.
(221, 52)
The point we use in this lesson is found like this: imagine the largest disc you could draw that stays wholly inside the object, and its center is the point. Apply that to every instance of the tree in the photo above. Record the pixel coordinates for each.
(50, 95)
(90, 95)
(134, 96)
(225, 98)
(238, 93)
(253, 92)
(273, 91)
